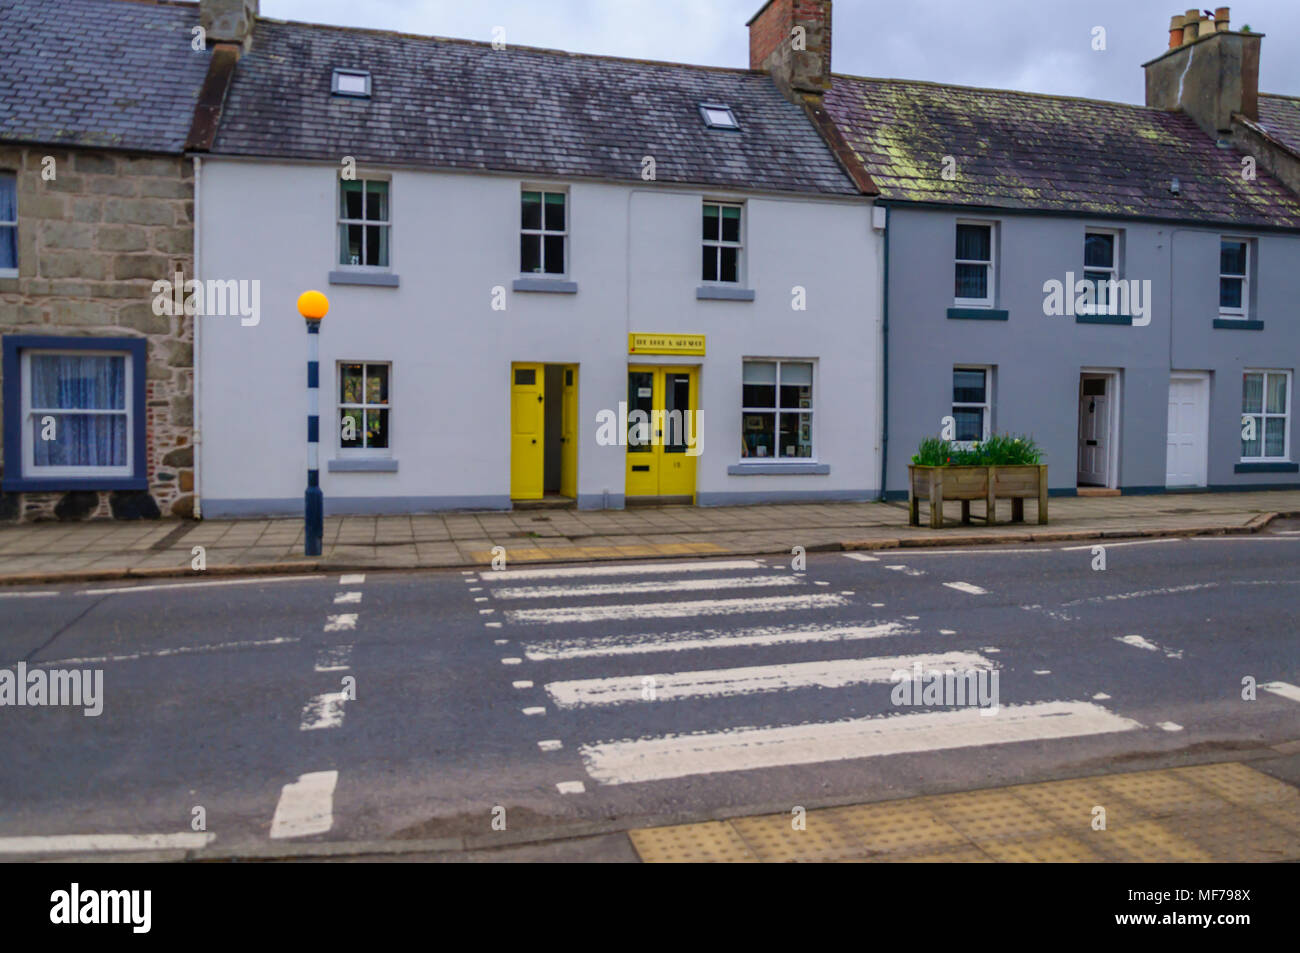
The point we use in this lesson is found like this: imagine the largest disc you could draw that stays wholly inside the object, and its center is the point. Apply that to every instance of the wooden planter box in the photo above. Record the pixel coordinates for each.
(989, 484)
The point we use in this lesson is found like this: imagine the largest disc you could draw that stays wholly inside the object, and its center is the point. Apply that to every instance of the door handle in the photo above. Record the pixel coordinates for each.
(534, 440)
(540, 398)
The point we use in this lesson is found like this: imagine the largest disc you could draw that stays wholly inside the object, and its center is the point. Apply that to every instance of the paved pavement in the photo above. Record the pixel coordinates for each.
(39, 551)
(400, 714)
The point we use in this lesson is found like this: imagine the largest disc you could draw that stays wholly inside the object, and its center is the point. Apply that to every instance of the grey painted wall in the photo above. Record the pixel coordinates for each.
(1038, 359)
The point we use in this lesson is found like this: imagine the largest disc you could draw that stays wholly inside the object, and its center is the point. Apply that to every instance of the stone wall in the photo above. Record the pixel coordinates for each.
(92, 241)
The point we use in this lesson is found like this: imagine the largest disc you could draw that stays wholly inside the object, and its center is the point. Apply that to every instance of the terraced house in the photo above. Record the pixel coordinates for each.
(96, 205)
(1118, 281)
(553, 278)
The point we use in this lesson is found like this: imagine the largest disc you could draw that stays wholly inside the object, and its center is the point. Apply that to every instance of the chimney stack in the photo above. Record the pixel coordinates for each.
(229, 21)
(1209, 72)
(791, 40)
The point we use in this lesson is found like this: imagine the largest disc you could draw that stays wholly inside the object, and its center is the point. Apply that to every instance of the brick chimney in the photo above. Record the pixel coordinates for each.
(228, 21)
(791, 40)
(1210, 74)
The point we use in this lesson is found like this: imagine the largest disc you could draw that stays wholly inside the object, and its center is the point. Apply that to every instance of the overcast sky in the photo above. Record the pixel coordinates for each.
(1035, 45)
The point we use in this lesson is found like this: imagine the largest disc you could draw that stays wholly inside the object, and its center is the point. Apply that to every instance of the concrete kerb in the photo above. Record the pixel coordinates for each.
(1254, 525)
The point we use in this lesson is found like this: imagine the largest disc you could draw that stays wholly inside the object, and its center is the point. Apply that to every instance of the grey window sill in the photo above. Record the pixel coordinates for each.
(719, 293)
(778, 469)
(363, 465)
(382, 279)
(978, 314)
(1238, 324)
(1279, 467)
(555, 286)
(1125, 319)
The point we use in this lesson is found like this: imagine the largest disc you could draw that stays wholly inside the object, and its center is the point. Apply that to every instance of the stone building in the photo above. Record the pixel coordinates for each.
(96, 208)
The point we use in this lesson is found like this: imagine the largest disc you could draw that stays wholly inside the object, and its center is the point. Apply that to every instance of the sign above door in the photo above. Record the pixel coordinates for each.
(665, 344)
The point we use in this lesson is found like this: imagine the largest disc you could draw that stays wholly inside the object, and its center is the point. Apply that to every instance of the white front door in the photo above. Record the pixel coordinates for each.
(1094, 429)
(1186, 462)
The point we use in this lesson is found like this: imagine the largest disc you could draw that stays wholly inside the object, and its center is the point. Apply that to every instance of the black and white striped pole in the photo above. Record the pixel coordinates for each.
(313, 306)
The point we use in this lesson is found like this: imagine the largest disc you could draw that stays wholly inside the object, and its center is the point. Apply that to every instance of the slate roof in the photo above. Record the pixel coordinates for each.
(454, 104)
(1280, 118)
(107, 73)
(1017, 150)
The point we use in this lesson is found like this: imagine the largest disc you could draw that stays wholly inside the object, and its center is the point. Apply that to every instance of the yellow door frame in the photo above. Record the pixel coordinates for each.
(655, 470)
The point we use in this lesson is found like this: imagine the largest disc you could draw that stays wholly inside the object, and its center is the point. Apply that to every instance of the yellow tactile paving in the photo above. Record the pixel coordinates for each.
(553, 550)
(710, 842)
(1218, 812)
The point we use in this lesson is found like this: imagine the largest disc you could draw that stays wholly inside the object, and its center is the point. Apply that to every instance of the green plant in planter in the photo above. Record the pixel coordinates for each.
(999, 450)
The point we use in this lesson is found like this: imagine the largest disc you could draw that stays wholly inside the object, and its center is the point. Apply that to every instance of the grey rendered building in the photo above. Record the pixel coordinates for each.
(1010, 213)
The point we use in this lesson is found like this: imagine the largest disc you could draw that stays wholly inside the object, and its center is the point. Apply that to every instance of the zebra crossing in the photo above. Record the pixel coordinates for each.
(673, 621)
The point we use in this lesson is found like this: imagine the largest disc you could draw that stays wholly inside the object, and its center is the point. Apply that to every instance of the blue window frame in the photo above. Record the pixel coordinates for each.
(74, 413)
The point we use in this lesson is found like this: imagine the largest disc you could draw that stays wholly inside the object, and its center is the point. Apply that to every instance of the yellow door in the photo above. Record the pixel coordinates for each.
(569, 434)
(662, 434)
(527, 430)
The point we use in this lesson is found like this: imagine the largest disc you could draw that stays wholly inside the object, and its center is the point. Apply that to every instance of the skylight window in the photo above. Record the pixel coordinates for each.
(351, 82)
(718, 116)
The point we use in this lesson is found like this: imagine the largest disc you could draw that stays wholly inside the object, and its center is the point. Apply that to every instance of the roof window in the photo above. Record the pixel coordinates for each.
(351, 82)
(718, 116)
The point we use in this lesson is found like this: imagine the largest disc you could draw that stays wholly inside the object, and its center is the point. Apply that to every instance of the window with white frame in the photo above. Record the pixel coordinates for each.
(8, 225)
(77, 413)
(777, 410)
(364, 406)
(543, 233)
(1234, 277)
(1101, 264)
(975, 276)
(970, 403)
(722, 242)
(364, 224)
(1265, 416)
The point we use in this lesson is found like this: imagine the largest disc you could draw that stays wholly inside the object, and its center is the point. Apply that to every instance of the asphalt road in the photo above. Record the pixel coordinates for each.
(631, 693)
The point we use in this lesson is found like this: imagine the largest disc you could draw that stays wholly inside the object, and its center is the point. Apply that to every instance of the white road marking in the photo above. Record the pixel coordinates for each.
(1285, 689)
(323, 711)
(335, 659)
(990, 649)
(971, 588)
(1141, 594)
(1137, 642)
(86, 843)
(744, 749)
(674, 610)
(343, 598)
(1042, 671)
(342, 622)
(512, 661)
(306, 806)
(500, 641)
(550, 744)
(492, 625)
(619, 569)
(908, 570)
(724, 682)
(820, 583)
(253, 581)
(877, 605)
(947, 631)
(534, 710)
(1286, 532)
(522, 684)
(480, 598)
(27, 595)
(846, 592)
(571, 787)
(1100, 696)
(1169, 726)
(163, 653)
(705, 639)
(486, 611)
(861, 557)
(1107, 544)
(633, 588)
(352, 579)
(475, 588)
(984, 550)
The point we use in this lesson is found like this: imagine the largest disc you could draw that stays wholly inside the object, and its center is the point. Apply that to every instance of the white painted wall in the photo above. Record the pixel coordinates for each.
(634, 253)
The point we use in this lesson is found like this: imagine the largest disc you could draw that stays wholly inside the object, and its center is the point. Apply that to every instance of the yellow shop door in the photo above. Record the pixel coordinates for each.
(662, 428)
(544, 432)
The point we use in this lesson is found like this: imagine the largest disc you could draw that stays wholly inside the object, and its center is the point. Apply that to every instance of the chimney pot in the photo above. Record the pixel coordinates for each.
(228, 21)
(1191, 19)
(1175, 30)
(1221, 19)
